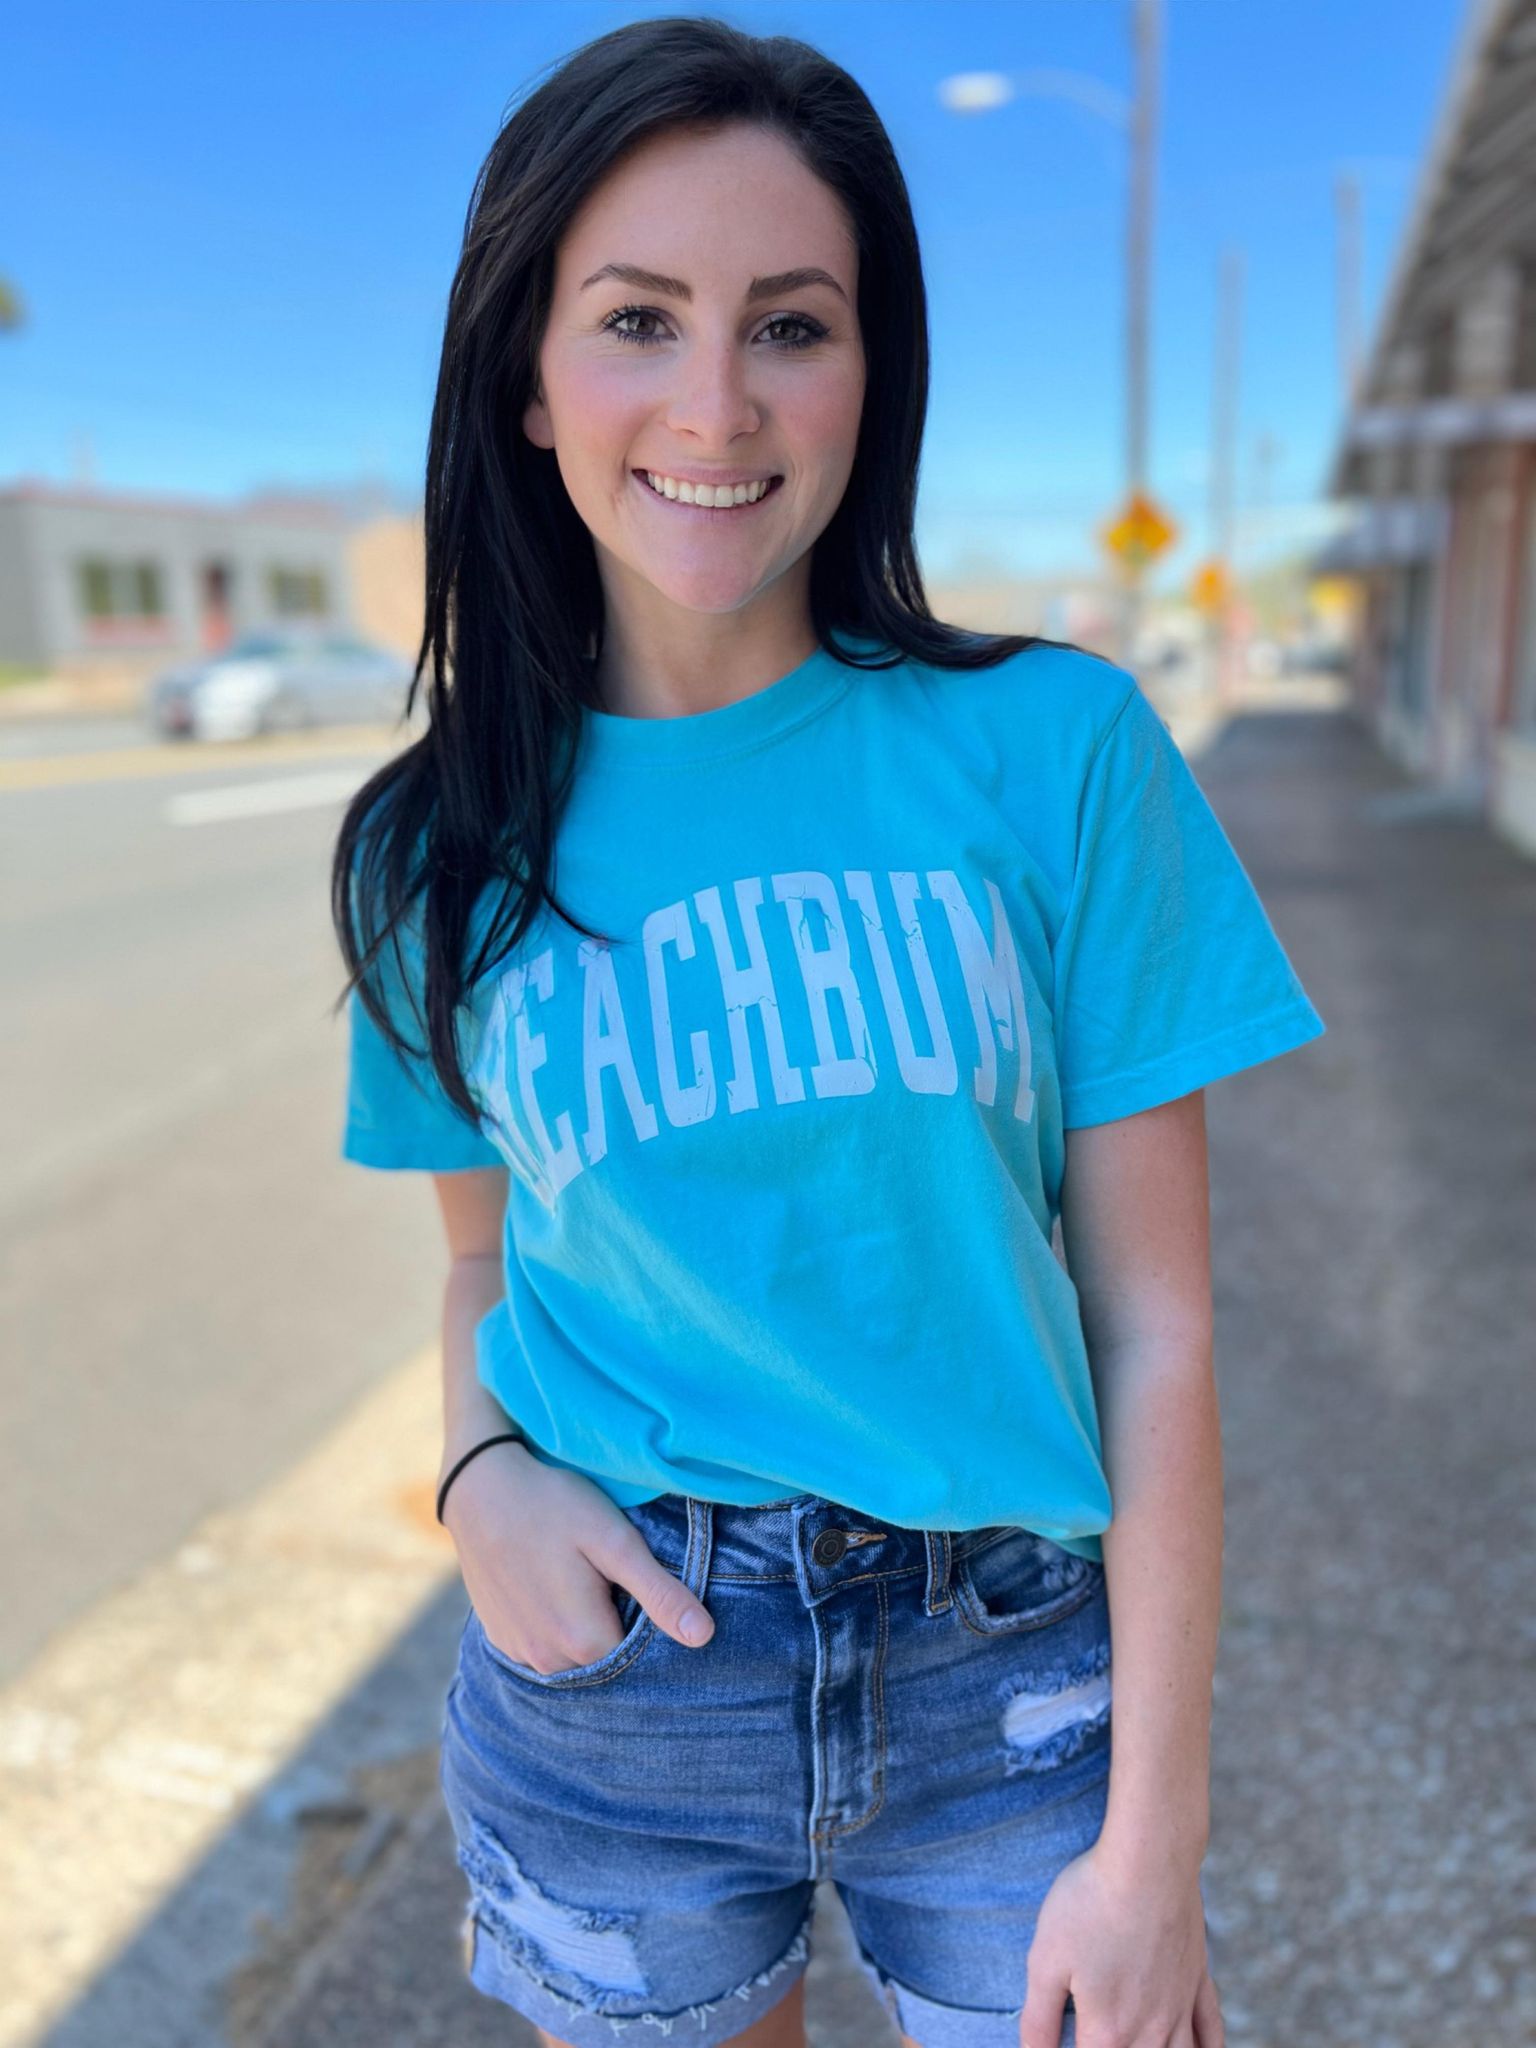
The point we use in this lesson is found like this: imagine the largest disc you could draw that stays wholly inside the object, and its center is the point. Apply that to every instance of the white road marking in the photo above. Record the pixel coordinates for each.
(261, 799)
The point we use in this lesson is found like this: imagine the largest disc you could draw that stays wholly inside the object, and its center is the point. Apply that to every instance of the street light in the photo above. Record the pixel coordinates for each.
(979, 92)
(975, 92)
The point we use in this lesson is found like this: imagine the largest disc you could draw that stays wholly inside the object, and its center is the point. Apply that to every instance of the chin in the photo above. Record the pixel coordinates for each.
(704, 593)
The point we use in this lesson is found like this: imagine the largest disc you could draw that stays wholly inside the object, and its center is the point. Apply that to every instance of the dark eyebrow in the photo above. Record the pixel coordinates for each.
(674, 288)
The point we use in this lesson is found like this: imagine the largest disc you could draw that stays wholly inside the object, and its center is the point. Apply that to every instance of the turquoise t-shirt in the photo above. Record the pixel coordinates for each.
(786, 1156)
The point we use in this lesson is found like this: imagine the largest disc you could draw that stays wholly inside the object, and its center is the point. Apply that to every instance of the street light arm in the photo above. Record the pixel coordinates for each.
(978, 92)
(1091, 94)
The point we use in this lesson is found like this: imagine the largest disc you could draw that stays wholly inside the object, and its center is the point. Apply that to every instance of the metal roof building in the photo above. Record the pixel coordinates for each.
(1439, 447)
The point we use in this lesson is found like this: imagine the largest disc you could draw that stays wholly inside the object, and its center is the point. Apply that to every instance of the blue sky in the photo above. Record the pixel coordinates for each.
(233, 229)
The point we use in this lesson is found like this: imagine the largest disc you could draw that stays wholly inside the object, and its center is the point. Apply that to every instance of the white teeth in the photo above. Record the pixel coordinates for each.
(707, 494)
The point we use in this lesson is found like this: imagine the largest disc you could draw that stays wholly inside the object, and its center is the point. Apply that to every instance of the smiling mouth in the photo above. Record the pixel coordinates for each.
(718, 511)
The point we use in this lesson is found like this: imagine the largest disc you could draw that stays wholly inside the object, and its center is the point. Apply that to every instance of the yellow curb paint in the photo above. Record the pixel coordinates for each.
(134, 764)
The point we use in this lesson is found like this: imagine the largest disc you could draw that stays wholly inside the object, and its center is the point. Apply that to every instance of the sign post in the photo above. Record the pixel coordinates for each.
(1138, 533)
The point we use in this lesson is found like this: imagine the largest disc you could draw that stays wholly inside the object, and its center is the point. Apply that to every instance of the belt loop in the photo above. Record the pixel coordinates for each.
(701, 1541)
(940, 1552)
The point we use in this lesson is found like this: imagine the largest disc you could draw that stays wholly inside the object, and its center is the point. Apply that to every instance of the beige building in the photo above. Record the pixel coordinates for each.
(387, 557)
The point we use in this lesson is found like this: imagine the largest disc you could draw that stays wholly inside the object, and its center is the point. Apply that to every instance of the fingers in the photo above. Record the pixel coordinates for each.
(630, 1562)
(1209, 2028)
(1040, 2021)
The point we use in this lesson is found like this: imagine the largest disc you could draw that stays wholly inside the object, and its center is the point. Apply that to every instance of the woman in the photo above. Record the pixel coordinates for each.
(779, 1444)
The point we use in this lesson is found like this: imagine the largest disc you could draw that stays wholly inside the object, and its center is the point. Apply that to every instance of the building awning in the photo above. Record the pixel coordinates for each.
(1389, 530)
(1445, 422)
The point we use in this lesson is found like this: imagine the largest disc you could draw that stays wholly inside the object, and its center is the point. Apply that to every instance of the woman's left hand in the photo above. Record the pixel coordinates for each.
(1130, 1947)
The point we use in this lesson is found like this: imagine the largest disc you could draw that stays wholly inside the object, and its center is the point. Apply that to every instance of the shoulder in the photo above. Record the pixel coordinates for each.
(1053, 702)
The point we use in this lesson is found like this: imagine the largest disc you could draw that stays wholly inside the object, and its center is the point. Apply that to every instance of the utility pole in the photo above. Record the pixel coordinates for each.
(1224, 461)
(1139, 528)
(1148, 31)
(1255, 524)
(1266, 455)
(1346, 193)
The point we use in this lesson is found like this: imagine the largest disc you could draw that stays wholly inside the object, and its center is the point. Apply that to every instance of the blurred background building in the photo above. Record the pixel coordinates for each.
(94, 582)
(1439, 450)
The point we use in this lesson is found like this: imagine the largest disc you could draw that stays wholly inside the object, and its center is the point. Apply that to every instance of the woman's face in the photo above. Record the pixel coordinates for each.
(723, 367)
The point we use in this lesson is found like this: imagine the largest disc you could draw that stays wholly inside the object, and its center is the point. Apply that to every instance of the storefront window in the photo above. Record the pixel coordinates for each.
(120, 590)
(297, 593)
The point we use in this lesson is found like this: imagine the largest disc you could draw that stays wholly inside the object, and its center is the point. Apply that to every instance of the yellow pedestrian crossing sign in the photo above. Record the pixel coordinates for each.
(1140, 532)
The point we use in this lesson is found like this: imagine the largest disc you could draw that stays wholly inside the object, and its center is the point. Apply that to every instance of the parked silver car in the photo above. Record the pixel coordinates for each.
(278, 681)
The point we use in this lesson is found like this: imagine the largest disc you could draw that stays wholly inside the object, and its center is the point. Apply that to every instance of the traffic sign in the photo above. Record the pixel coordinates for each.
(1140, 532)
(1211, 586)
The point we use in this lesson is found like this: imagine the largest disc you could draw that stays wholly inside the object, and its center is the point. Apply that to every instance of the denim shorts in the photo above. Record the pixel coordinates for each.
(920, 1717)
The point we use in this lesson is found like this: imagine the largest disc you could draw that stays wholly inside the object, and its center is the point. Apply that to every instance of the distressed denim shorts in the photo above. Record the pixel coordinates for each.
(920, 1717)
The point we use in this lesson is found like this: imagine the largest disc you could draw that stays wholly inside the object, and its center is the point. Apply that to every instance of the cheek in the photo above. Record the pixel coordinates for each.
(828, 418)
(599, 413)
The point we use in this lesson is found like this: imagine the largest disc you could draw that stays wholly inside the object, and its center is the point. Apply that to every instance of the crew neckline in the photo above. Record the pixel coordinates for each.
(613, 739)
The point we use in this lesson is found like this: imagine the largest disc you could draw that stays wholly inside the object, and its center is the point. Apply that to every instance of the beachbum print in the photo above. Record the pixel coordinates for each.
(575, 1058)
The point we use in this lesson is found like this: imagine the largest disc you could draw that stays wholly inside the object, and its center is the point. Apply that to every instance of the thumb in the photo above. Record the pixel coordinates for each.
(664, 1597)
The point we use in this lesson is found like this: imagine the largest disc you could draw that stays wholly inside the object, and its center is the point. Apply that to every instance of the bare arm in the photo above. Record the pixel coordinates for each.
(1136, 1228)
(540, 1549)
(473, 1206)
(1122, 1927)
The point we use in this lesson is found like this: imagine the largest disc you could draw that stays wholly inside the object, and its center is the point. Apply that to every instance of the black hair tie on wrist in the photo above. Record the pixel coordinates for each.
(508, 1436)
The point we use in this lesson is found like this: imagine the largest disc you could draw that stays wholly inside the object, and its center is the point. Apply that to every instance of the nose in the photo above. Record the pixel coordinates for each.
(712, 398)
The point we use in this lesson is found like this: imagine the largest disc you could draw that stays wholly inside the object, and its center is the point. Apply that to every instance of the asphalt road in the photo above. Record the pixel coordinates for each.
(24, 739)
(193, 1285)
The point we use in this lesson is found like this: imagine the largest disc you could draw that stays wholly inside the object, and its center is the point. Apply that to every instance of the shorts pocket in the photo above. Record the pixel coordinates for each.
(1014, 1579)
(666, 1532)
(638, 1631)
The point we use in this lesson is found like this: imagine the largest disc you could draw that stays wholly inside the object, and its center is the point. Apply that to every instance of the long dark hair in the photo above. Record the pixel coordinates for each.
(513, 600)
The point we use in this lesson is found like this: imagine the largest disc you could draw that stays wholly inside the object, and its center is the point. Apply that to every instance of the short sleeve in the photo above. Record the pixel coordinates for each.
(1168, 972)
(396, 1112)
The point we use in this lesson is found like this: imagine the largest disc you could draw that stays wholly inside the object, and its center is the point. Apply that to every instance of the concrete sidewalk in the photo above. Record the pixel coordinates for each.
(1371, 1878)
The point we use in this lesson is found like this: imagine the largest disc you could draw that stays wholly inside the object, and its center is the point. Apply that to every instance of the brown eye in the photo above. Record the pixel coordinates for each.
(611, 324)
(811, 331)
